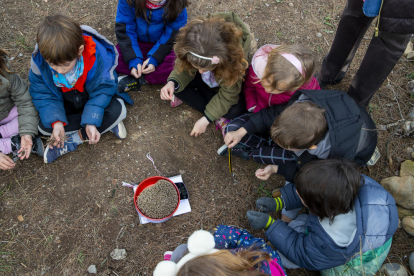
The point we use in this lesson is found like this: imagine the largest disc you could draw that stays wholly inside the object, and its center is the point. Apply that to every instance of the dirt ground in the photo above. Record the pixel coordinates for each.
(75, 211)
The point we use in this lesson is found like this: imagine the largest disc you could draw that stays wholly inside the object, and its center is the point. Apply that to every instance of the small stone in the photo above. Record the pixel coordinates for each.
(407, 168)
(393, 269)
(290, 4)
(408, 225)
(92, 269)
(318, 34)
(411, 262)
(409, 150)
(277, 20)
(20, 218)
(118, 254)
(409, 48)
(402, 212)
(402, 189)
(410, 87)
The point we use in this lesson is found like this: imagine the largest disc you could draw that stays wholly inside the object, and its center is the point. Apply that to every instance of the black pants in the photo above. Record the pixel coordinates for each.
(198, 94)
(114, 113)
(382, 54)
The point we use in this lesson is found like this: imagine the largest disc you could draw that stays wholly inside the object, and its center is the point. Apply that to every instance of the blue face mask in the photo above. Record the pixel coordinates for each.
(69, 79)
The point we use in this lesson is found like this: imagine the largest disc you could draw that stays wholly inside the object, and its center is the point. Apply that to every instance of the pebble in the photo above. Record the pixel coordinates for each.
(318, 34)
(118, 254)
(411, 262)
(92, 269)
(290, 4)
(277, 20)
(408, 225)
(393, 269)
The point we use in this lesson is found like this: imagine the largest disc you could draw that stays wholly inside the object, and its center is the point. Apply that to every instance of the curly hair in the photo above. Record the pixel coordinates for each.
(280, 69)
(3, 65)
(172, 9)
(209, 37)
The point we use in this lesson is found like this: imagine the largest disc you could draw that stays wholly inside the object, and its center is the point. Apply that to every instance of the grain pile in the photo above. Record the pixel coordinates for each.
(159, 200)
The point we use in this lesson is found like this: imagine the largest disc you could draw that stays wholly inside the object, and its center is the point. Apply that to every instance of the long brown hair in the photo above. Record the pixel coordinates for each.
(3, 65)
(172, 9)
(224, 263)
(209, 37)
(59, 38)
(280, 69)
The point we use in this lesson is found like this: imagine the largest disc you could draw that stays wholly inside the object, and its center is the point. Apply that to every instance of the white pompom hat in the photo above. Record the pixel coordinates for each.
(199, 243)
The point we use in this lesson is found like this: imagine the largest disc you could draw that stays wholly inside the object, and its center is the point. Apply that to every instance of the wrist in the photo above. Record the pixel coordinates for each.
(274, 168)
(242, 131)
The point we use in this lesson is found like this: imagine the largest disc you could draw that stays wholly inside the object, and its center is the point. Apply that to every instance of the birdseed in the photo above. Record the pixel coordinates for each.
(159, 200)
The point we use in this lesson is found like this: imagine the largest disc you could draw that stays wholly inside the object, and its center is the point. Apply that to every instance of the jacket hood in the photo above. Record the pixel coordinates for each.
(259, 59)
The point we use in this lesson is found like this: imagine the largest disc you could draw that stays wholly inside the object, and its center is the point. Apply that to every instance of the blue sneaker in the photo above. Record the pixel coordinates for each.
(119, 130)
(51, 154)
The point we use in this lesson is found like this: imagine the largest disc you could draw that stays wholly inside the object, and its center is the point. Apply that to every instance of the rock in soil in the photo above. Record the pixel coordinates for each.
(402, 212)
(393, 269)
(408, 225)
(118, 254)
(407, 168)
(92, 269)
(159, 200)
(402, 189)
(411, 262)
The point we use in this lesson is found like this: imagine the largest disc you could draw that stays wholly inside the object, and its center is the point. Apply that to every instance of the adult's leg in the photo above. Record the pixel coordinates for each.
(351, 30)
(382, 54)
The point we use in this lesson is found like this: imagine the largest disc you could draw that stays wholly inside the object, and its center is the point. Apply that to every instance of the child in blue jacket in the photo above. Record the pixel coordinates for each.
(74, 85)
(349, 214)
(146, 31)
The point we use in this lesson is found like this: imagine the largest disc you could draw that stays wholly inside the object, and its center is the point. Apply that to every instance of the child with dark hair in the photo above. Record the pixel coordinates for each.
(213, 54)
(350, 224)
(18, 117)
(229, 251)
(146, 31)
(315, 124)
(74, 85)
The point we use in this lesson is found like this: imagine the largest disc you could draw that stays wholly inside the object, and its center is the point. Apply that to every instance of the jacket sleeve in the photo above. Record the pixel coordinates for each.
(182, 79)
(289, 168)
(290, 198)
(100, 90)
(28, 116)
(263, 120)
(166, 42)
(49, 106)
(125, 30)
(221, 103)
(249, 89)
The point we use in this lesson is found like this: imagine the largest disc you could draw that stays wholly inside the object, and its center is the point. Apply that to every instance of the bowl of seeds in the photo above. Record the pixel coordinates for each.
(157, 198)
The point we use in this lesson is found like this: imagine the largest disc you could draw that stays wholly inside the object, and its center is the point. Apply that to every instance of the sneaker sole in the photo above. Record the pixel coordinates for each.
(40, 150)
(45, 154)
(222, 151)
(122, 133)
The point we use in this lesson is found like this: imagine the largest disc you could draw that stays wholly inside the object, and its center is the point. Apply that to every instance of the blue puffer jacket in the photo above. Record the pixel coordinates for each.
(101, 85)
(129, 29)
(377, 221)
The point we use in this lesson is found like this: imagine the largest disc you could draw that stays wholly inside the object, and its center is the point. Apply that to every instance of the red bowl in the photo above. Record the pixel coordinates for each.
(148, 183)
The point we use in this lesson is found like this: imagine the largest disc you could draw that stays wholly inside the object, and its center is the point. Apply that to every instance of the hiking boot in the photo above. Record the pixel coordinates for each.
(119, 130)
(221, 124)
(37, 147)
(239, 151)
(175, 101)
(128, 83)
(51, 154)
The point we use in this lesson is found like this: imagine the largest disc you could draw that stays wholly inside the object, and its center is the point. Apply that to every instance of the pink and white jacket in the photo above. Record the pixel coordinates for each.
(256, 96)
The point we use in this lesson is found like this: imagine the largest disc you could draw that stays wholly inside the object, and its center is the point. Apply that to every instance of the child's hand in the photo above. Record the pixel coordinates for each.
(26, 147)
(264, 174)
(147, 69)
(200, 126)
(232, 138)
(58, 132)
(167, 91)
(93, 134)
(5, 162)
(137, 72)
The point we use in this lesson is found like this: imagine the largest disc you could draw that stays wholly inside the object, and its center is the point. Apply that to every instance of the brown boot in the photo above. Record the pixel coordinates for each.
(276, 193)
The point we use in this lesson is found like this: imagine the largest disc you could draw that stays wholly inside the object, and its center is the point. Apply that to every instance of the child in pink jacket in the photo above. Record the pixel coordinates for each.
(276, 72)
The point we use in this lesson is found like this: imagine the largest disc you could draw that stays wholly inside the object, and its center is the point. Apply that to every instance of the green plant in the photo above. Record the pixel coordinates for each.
(410, 76)
(5, 265)
(262, 191)
(327, 20)
(80, 258)
(279, 34)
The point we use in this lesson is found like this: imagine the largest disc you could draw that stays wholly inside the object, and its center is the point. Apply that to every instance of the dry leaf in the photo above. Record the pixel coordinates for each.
(20, 218)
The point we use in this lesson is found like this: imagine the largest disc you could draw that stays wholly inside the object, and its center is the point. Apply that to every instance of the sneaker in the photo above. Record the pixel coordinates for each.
(51, 154)
(239, 151)
(374, 158)
(128, 83)
(37, 147)
(221, 124)
(167, 255)
(119, 130)
(175, 101)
